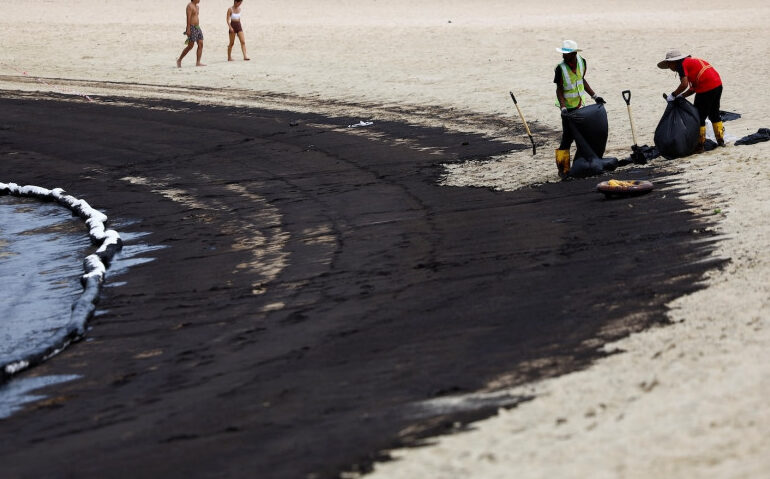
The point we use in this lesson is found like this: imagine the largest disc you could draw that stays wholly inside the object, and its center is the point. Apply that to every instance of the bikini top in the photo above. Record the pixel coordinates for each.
(235, 16)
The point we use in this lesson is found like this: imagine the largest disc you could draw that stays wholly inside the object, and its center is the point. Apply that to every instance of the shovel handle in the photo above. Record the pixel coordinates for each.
(627, 96)
(521, 115)
(526, 127)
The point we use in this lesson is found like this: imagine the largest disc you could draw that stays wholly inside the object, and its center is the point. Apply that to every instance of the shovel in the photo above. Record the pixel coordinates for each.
(637, 155)
(534, 148)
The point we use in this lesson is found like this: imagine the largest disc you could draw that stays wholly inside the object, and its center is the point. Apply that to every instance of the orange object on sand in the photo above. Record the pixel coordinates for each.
(624, 187)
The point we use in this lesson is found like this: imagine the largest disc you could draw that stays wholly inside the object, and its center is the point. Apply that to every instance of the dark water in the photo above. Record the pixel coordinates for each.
(41, 252)
(20, 391)
(42, 247)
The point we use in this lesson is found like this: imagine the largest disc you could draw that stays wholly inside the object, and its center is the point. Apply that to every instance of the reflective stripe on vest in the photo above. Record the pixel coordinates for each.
(574, 91)
(700, 74)
(703, 68)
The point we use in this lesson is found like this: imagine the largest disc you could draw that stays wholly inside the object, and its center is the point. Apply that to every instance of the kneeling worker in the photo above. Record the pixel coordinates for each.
(703, 80)
(571, 89)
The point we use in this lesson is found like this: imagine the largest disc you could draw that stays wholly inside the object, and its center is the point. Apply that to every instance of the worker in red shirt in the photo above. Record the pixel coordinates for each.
(698, 77)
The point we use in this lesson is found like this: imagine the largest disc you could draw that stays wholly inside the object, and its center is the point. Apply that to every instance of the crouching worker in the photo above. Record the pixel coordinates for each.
(571, 89)
(699, 77)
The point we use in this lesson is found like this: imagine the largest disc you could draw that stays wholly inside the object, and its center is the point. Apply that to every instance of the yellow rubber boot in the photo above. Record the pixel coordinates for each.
(719, 133)
(562, 162)
(701, 140)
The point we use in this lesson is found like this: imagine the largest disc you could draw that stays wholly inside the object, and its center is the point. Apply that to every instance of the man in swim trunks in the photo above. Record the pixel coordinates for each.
(193, 32)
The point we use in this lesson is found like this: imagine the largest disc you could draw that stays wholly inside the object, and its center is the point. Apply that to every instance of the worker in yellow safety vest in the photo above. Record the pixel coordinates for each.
(572, 90)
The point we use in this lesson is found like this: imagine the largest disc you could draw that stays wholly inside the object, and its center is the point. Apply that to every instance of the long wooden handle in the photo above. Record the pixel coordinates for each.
(526, 127)
(522, 119)
(633, 130)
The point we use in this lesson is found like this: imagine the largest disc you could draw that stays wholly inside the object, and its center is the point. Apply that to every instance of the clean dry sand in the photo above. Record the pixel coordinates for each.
(684, 400)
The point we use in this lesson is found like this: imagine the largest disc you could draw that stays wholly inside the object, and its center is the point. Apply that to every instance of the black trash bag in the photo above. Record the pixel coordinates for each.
(763, 134)
(640, 155)
(710, 145)
(589, 127)
(678, 130)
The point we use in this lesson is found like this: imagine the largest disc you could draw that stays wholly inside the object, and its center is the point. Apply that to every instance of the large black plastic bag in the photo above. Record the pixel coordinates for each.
(589, 127)
(678, 130)
(763, 134)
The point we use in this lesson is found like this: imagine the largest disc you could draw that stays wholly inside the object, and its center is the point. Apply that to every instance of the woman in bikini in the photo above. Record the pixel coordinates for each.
(234, 24)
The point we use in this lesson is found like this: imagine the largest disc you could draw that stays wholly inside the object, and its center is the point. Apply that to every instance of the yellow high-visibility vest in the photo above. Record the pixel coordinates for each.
(574, 92)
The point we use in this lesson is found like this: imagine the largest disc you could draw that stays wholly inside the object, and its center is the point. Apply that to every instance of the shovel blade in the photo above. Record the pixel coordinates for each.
(637, 155)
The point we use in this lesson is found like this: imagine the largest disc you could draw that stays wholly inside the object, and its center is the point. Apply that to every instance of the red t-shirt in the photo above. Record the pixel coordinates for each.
(702, 76)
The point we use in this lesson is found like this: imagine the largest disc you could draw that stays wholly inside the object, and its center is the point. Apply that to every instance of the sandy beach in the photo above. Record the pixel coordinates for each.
(285, 226)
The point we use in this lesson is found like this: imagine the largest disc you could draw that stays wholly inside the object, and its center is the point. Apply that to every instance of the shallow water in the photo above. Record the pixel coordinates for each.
(14, 394)
(129, 256)
(42, 247)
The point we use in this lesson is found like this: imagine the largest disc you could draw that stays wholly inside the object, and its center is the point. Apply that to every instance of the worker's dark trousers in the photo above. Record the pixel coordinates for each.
(566, 132)
(707, 104)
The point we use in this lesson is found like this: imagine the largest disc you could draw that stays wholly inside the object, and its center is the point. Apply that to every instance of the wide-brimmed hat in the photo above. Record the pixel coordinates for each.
(671, 56)
(568, 46)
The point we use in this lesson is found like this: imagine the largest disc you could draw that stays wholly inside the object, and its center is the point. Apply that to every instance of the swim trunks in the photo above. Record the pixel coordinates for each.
(236, 26)
(196, 34)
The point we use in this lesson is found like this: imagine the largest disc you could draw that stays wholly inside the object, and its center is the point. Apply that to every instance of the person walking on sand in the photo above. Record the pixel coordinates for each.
(571, 89)
(194, 34)
(234, 24)
(699, 77)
